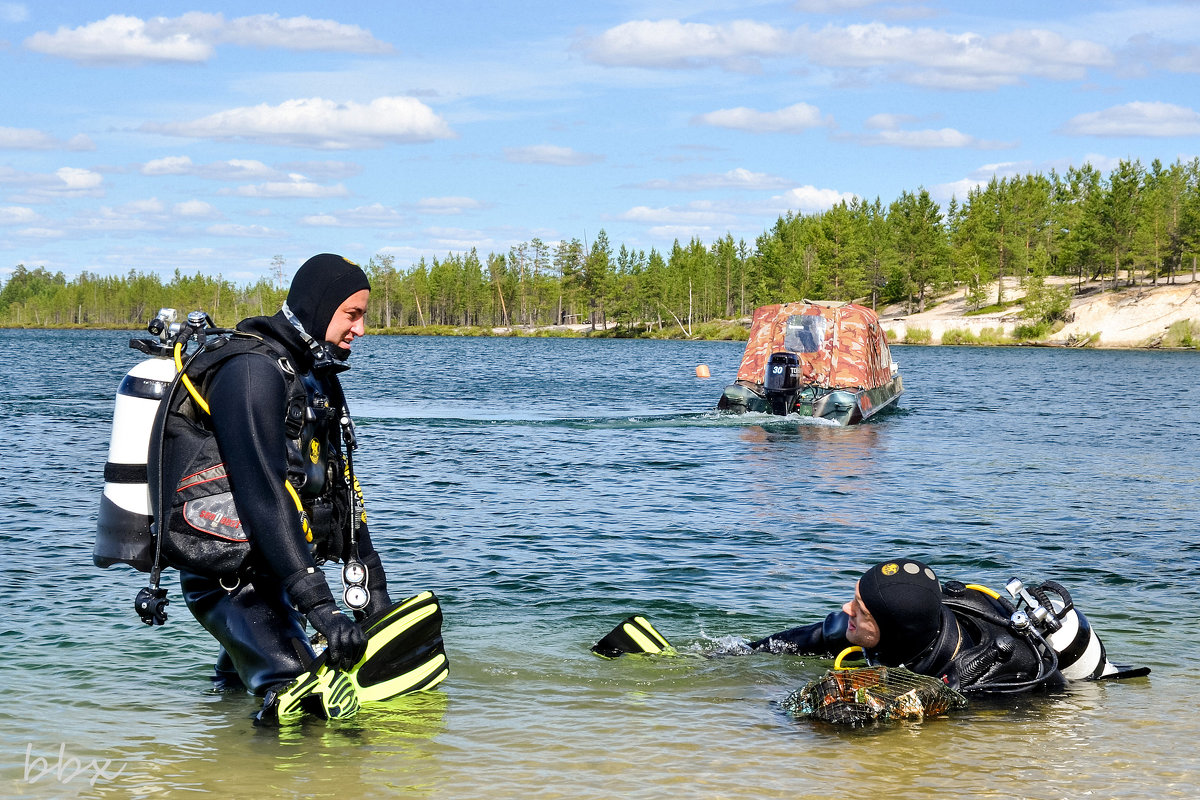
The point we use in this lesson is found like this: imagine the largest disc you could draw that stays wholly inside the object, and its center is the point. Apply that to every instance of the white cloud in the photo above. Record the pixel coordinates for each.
(550, 154)
(319, 123)
(236, 169)
(930, 139)
(133, 217)
(673, 44)
(77, 179)
(169, 165)
(192, 37)
(460, 239)
(810, 199)
(375, 215)
(1136, 119)
(733, 179)
(448, 205)
(404, 253)
(680, 232)
(327, 170)
(31, 139)
(831, 6)
(322, 221)
(25, 139)
(691, 215)
(888, 122)
(793, 119)
(922, 56)
(42, 233)
(890, 133)
(195, 209)
(65, 182)
(1185, 59)
(243, 231)
(941, 59)
(119, 39)
(149, 206)
(296, 185)
(17, 215)
(300, 33)
(959, 189)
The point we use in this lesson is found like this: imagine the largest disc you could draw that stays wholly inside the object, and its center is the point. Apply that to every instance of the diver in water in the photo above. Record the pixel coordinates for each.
(231, 460)
(280, 423)
(968, 636)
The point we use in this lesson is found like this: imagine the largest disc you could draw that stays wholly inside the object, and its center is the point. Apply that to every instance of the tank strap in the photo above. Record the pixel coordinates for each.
(124, 473)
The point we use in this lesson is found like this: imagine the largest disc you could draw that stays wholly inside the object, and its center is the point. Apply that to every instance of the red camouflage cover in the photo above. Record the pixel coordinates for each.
(853, 354)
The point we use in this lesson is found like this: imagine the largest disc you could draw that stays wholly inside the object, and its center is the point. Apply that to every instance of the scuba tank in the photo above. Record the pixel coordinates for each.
(123, 534)
(1046, 620)
(1081, 654)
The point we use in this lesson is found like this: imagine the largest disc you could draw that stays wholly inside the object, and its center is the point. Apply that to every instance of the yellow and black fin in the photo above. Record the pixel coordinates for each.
(404, 654)
(634, 635)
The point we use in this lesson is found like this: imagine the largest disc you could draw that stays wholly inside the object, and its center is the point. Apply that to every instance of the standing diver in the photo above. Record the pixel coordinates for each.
(259, 618)
(245, 483)
(971, 638)
(253, 486)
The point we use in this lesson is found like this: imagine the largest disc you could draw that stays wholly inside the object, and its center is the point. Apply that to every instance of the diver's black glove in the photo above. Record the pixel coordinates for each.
(311, 595)
(376, 586)
(346, 642)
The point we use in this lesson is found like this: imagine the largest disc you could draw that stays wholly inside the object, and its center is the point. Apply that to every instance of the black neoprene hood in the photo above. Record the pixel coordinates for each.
(905, 598)
(321, 285)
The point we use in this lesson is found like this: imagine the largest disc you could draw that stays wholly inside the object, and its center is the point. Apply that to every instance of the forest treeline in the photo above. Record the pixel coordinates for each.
(1134, 224)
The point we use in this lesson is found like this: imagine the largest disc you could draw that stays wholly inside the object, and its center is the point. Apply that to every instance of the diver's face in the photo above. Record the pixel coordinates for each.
(348, 321)
(863, 630)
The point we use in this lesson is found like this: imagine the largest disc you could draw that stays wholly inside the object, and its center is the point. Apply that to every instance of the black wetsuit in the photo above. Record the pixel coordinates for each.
(262, 634)
(974, 649)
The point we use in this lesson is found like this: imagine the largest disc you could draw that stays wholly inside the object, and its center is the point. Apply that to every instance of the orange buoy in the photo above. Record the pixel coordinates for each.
(702, 371)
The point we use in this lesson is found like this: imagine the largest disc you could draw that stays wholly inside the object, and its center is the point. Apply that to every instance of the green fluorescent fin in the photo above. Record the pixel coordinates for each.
(287, 706)
(404, 654)
(335, 697)
(634, 635)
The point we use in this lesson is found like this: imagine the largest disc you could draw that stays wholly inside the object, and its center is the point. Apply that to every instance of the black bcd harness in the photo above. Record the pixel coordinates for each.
(197, 527)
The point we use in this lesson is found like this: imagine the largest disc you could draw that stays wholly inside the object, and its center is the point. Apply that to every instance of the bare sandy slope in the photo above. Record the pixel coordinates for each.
(1131, 317)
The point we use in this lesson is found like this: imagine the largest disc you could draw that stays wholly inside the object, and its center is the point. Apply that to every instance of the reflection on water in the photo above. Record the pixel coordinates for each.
(577, 482)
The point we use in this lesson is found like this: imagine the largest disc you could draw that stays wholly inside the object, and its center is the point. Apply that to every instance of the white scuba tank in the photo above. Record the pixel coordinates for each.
(123, 528)
(1081, 654)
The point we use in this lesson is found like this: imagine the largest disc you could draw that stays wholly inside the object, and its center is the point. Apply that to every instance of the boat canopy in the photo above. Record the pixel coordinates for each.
(838, 346)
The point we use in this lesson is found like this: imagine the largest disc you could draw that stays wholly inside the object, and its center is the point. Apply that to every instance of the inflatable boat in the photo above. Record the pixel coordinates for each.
(827, 360)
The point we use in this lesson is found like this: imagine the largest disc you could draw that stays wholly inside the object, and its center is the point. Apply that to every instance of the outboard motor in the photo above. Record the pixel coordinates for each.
(782, 382)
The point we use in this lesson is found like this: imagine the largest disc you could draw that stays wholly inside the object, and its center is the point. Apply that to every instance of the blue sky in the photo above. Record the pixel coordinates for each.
(213, 136)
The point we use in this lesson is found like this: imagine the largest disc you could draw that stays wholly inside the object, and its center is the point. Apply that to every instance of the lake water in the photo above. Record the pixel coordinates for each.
(545, 489)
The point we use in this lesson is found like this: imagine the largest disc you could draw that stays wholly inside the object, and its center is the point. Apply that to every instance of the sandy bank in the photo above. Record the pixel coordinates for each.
(1137, 316)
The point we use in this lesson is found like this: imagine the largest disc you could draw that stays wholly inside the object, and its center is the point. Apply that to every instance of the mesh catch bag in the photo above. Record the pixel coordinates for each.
(870, 694)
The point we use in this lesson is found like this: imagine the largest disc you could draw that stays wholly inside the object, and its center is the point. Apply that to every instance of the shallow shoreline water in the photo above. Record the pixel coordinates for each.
(547, 488)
